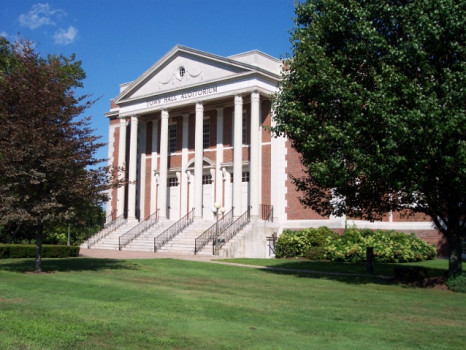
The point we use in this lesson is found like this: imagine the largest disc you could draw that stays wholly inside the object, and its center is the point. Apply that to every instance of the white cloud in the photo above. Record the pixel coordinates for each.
(39, 15)
(65, 36)
(4, 34)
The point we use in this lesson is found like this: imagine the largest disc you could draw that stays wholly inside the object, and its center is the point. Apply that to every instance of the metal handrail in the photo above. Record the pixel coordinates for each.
(228, 233)
(266, 212)
(209, 234)
(137, 230)
(108, 228)
(110, 218)
(173, 230)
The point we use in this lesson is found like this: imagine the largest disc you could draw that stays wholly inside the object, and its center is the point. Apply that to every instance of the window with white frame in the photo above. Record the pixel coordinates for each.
(245, 128)
(172, 138)
(172, 182)
(206, 133)
(206, 179)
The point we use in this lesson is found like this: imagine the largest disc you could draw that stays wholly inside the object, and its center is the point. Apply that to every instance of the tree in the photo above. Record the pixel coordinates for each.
(374, 100)
(47, 164)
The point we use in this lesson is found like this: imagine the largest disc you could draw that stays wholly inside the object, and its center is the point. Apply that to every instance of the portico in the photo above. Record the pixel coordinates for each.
(185, 178)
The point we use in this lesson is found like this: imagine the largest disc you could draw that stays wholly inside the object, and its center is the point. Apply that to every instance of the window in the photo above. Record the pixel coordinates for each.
(181, 72)
(173, 182)
(206, 133)
(206, 179)
(245, 176)
(172, 138)
(245, 132)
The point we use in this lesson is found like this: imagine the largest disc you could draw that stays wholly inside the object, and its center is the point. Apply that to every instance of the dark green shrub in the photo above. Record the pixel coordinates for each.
(457, 283)
(15, 251)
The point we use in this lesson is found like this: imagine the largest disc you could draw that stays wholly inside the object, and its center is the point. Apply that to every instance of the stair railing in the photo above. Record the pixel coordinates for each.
(137, 230)
(108, 228)
(229, 232)
(211, 232)
(173, 230)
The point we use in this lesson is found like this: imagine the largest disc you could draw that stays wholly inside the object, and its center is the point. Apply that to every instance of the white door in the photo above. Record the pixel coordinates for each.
(207, 202)
(244, 197)
(173, 202)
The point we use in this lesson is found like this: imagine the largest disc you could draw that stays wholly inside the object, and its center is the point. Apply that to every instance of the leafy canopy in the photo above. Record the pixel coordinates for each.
(374, 100)
(48, 172)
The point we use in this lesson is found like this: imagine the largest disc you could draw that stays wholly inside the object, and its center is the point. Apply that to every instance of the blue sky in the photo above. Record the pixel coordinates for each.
(118, 40)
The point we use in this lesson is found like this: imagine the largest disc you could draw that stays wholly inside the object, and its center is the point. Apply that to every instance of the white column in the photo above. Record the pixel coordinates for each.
(153, 187)
(163, 165)
(237, 155)
(198, 153)
(133, 149)
(254, 161)
(184, 162)
(142, 140)
(121, 164)
(218, 170)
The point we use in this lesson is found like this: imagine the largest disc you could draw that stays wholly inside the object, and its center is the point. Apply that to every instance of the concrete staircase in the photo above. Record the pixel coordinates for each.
(183, 243)
(145, 242)
(236, 246)
(111, 240)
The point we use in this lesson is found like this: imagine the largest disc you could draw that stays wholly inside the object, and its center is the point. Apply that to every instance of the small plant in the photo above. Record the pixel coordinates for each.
(457, 283)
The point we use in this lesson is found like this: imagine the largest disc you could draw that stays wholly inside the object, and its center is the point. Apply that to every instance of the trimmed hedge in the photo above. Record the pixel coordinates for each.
(325, 244)
(14, 251)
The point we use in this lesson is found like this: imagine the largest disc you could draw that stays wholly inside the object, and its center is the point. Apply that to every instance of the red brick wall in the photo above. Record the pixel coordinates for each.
(294, 209)
(266, 175)
(266, 121)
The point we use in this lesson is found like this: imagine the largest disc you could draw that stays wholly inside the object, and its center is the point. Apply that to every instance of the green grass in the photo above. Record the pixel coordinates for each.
(437, 267)
(170, 304)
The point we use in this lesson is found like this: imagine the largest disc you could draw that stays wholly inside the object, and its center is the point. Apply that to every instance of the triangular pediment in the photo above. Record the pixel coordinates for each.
(182, 68)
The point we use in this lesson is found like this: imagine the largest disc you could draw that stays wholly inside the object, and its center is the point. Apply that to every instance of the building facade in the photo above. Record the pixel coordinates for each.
(192, 132)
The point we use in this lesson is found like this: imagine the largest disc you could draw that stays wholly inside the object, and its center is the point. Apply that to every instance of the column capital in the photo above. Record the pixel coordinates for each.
(238, 100)
(164, 113)
(134, 119)
(199, 107)
(255, 96)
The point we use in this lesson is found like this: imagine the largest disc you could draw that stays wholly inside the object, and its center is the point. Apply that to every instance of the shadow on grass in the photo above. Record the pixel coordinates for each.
(409, 275)
(66, 265)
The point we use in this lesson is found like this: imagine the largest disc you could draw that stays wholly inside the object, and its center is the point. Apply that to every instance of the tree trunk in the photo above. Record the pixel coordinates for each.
(454, 247)
(38, 251)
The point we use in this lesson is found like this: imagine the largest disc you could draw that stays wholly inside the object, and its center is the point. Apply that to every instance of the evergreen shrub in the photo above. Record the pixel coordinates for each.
(15, 251)
(457, 283)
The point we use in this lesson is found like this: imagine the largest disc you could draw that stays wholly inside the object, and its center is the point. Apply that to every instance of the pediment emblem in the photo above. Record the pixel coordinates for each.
(183, 75)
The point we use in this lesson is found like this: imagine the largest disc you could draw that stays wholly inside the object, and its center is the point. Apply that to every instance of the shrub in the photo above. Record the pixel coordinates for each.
(292, 244)
(305, 243)
(323, 243)
(15, 251)
(457, 283)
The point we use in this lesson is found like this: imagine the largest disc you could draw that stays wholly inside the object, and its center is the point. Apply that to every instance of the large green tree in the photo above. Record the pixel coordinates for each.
(48, 171)
(373, 97)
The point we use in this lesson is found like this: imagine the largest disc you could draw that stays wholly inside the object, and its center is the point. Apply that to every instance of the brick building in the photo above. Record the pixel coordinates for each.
(192, 133)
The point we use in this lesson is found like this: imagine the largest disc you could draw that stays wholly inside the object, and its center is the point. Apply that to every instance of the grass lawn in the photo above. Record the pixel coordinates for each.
(171, 304)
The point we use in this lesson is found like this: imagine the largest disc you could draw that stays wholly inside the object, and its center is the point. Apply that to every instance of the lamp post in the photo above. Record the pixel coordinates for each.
(216, 209)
